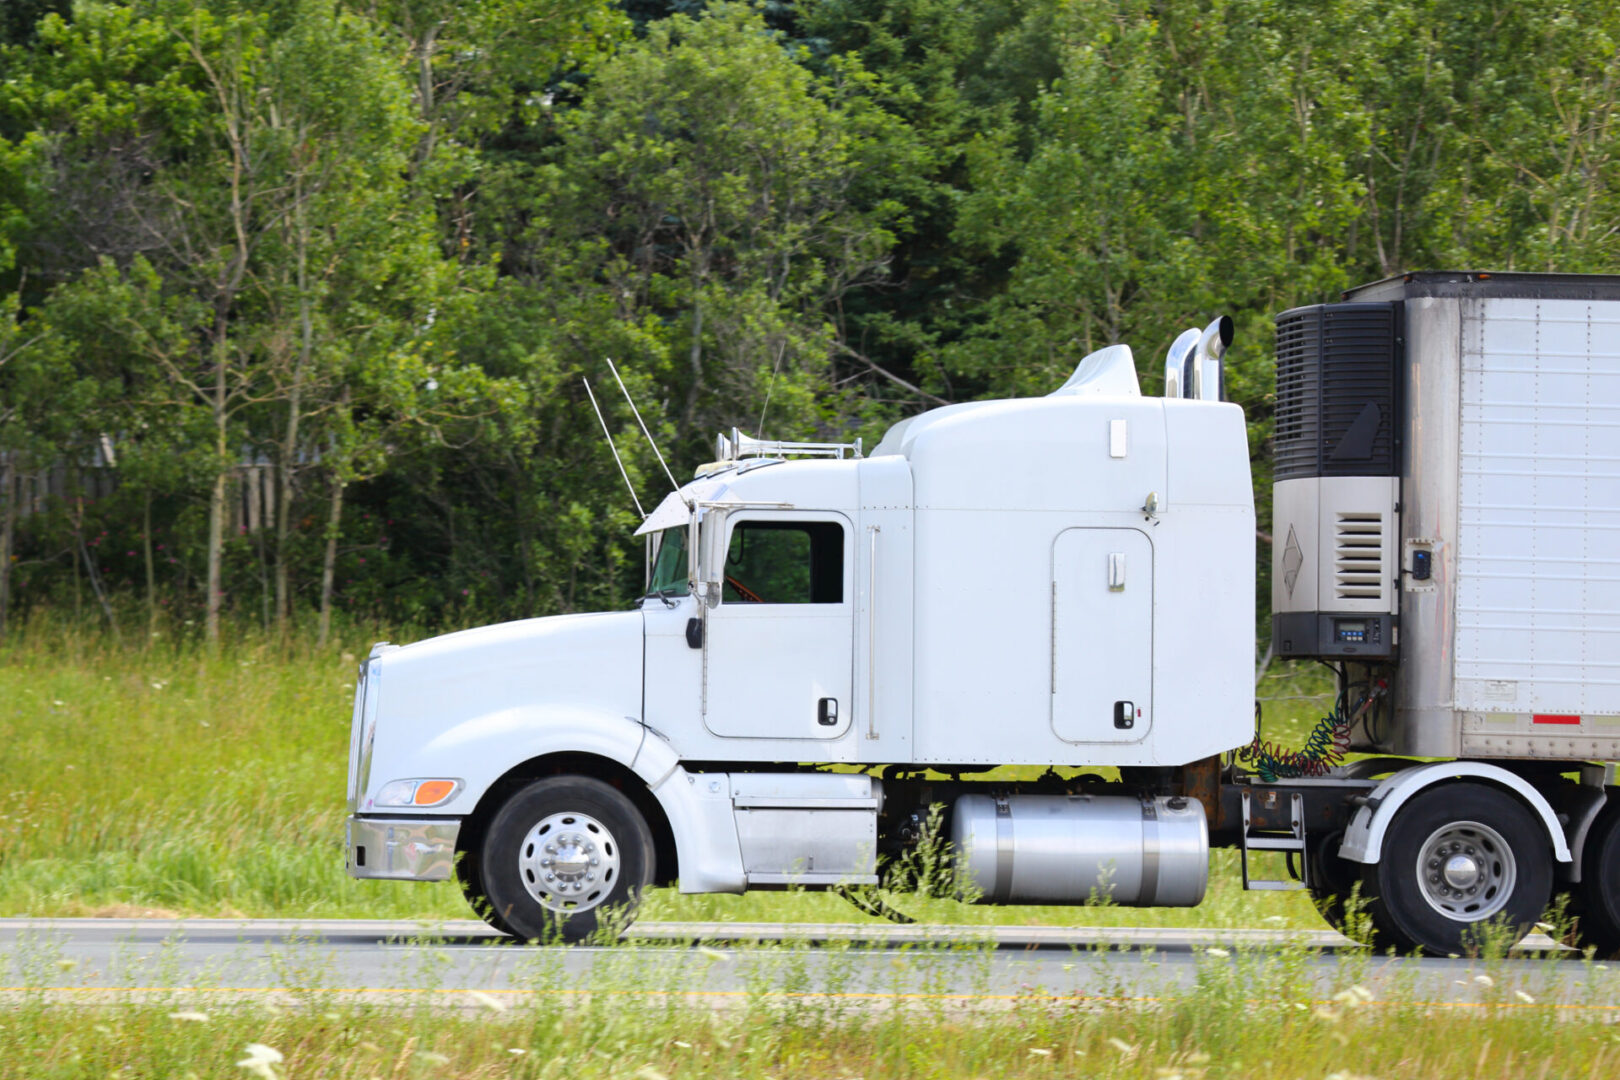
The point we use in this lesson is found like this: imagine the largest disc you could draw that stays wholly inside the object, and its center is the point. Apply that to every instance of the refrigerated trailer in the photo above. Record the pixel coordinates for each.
(839, 652)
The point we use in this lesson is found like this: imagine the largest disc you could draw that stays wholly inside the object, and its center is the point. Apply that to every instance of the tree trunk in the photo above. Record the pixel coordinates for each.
(696, 361)
(329, 560)
(8, 529)
(151, 570)
(295, 408)
(216, 498)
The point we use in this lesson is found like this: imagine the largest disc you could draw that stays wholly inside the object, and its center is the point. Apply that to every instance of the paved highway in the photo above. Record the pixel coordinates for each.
(730, 963)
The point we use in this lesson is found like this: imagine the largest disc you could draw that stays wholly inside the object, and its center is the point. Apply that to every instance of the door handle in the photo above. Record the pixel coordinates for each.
(1116, 571)
(827, 712)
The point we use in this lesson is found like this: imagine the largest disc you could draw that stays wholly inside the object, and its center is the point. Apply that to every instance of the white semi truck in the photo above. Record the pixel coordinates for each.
(831, 644)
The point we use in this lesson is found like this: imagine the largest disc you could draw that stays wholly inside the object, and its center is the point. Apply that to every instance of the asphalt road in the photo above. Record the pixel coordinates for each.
(464, 963)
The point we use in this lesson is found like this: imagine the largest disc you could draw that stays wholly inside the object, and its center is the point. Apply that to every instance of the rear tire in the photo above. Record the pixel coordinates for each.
(1333, 884)
(560, 856)
(1596, 900)
(1457, 858)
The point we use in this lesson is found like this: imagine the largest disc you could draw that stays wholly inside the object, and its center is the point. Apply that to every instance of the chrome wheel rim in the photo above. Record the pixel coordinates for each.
(1466, 871)
(568, 862)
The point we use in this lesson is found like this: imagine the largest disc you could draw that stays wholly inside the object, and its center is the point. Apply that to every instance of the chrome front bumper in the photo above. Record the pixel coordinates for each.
(399, 849)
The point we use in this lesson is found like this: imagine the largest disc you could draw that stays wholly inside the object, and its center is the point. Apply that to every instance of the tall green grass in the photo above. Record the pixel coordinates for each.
(1244, 1015)
(160, 778)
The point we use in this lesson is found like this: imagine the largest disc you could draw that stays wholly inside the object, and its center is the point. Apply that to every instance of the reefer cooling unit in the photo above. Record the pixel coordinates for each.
(1337, 481)
(1447, 506)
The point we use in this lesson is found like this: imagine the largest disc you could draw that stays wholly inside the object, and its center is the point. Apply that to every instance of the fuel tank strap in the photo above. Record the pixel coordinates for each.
(1150, 854)
(1004, 852)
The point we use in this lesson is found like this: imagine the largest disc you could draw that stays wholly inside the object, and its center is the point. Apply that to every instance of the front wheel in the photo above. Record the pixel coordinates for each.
(1456, 859)
(560, 854)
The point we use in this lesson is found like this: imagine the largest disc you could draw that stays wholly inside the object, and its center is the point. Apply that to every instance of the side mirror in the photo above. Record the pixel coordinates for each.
(710, 573)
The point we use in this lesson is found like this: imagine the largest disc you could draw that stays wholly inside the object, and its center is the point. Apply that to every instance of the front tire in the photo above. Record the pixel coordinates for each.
(562, 853)
(1457, 858)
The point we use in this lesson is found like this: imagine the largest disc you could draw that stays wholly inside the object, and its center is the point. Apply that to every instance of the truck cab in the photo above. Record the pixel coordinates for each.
(841, 653)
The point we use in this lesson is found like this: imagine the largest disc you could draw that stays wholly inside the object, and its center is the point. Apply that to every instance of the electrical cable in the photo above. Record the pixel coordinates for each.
(1324, 748)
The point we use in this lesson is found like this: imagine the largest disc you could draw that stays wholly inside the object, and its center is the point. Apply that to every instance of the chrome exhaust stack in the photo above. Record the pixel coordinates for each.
(1207, 382)
(1192, 367)
(1177, 374)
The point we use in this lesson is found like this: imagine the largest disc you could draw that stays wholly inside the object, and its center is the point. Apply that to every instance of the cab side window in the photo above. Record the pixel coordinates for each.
(785, 562)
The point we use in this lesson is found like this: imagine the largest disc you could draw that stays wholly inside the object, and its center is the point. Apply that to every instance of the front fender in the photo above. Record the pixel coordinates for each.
(481, 750)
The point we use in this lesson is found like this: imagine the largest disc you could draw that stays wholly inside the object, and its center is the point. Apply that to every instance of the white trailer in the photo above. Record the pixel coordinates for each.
(833, 643)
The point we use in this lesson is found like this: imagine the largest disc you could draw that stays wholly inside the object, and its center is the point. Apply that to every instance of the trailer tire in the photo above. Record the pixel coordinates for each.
(1596, 899)
(560, 855)
(1458, 857)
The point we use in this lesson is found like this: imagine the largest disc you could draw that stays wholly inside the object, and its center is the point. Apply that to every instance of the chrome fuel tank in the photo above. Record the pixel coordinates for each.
(1069, 849)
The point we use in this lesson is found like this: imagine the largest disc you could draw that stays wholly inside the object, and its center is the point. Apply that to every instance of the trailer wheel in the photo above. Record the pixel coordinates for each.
(1596, 900)
(562, 853)
(1457, 858)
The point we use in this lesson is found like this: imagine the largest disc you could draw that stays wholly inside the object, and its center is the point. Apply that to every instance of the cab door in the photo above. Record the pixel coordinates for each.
(778, 651)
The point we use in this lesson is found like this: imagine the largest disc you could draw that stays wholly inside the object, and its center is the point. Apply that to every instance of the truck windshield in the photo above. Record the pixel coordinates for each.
(669, 568)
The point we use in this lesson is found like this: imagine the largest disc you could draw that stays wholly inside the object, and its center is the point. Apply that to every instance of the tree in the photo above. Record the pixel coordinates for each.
(707, 177)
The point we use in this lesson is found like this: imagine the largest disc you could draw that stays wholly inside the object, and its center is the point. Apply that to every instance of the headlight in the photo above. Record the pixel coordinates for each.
(417, 792)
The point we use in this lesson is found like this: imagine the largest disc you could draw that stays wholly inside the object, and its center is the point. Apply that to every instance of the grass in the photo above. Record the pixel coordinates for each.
(161, 780)
(1242, 1015)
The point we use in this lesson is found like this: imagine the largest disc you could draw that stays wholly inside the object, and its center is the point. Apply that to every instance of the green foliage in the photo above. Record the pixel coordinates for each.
(376, 247)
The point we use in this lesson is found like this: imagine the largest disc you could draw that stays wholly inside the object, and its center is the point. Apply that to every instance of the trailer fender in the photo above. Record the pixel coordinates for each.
(1364, 838)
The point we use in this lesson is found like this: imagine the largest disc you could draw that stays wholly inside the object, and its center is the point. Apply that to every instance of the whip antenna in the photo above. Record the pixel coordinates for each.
(645, 432)
(615, 449)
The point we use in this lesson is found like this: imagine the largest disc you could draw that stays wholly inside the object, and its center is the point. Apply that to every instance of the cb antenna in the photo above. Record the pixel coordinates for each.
(645, 432)
(613, 448)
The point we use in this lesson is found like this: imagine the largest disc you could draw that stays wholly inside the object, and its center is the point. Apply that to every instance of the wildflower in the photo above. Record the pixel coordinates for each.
(193, 1017)
(489, 1001)
(1217, 952)
(683, 1045)
(58, 702)
(1524, 997)
(1354, 996)
(260, 1060)
(1036, 1051)
(516, 1051)
(1484, 980)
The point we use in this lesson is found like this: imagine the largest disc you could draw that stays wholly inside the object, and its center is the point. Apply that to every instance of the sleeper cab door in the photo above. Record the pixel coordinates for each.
(777, 650)
(1102, 635)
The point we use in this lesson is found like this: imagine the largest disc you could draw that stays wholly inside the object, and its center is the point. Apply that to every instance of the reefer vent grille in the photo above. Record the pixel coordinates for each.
(1358, 555)
(1336, 383)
